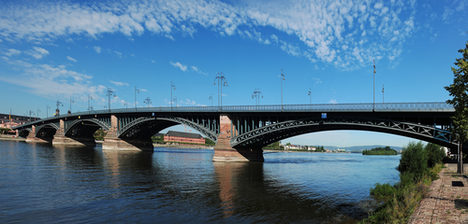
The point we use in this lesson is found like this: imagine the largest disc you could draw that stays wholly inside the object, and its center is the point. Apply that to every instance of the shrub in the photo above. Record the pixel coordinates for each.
(383, 192)
(435, 154)
(414, 160)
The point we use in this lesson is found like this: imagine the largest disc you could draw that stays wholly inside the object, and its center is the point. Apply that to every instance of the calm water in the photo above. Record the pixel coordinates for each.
(42, 184)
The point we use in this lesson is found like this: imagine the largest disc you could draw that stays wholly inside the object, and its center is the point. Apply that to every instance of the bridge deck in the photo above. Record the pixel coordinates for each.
(290, 108)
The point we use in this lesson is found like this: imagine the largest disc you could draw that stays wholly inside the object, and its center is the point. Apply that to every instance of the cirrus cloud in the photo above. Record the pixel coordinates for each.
(345, 33)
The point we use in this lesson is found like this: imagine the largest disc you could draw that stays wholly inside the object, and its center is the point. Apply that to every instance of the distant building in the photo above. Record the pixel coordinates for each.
(183, 137)
(9, 121)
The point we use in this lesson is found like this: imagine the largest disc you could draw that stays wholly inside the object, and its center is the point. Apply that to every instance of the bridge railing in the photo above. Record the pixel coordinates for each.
(324, 108)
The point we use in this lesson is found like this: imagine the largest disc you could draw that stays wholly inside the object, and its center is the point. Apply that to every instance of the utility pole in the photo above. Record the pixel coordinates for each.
(147, 101)
(257, 94)
(38, 112)
(109, 93)
(173, 87)
(283, 77)
(136, 92)
(221, 82)
(309, 93)
(373, 90)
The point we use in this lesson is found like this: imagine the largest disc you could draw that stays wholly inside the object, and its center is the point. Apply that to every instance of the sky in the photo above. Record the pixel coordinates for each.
(73, 51)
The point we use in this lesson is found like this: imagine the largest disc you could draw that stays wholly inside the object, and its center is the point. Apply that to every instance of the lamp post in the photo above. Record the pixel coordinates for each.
(373, 90)
(90, 107)
(57, 111)
(47, 110)
(383, 94)
(257, 94)
(147, 101)
(309, 93)
(173, 88)
(283, 77)
(110, 93)
(210, 98)
(71, 101)
(221, 81)
(136, 92)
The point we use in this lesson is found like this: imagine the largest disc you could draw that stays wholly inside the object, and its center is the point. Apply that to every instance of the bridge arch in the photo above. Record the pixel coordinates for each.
(145, 127)
(268, 134)
(46, 131)
(84, 128)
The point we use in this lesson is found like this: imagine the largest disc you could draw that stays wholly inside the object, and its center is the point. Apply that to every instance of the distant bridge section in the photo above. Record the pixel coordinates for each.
(240, 132)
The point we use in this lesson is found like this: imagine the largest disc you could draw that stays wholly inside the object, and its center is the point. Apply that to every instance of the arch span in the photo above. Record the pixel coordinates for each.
(46, 131)
(274, 132)
(145, 127)
(84, 128)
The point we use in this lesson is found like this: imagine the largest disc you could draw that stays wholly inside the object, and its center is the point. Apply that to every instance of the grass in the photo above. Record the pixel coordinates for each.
(400, 201)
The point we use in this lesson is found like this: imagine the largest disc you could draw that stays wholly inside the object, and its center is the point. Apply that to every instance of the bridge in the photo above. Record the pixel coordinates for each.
(240, 132)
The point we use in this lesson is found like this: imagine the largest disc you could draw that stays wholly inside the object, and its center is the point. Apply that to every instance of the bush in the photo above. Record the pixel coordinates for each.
(382, 192)
(414, 160)
(435, 154)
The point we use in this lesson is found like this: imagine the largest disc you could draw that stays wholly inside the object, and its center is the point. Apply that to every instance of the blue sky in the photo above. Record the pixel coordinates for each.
(54, 50)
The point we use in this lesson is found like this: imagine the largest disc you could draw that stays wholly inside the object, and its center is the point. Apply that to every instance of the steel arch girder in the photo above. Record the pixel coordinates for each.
(71, 124)
(208, 133)
(53, 125)
(281, 130)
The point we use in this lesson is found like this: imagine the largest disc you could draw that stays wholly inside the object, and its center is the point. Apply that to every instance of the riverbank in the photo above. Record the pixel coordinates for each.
(182, 146)
(445, 202)
(11, 138)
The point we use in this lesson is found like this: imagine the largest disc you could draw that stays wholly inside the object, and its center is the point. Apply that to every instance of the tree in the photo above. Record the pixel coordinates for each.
(459, 91)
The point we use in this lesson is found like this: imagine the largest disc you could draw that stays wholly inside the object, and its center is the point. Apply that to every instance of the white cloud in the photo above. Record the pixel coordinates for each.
(38, 52)
(333, 101)
(52, 81)
(197, 70)
(179, 66)
(12, 52)
(119, 83)
(314, 29)
(97, 49)
(71, 59)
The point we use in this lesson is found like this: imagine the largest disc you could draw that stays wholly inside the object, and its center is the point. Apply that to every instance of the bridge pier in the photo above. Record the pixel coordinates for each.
(113, 142)
(61, 140)
(31, 138)
(223, 152)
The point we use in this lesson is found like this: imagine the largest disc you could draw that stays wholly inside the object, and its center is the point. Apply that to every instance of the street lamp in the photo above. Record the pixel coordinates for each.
(383, 94)
(257, 94)
(173, 88)
(210, 98)
(90, 107)
(136, 92)
(221, 81)
(110, 93)
(47, 109)
(147, 101)
(283, 77)
(71, 101)
(57, 111)
(309, 93)
(373, 90)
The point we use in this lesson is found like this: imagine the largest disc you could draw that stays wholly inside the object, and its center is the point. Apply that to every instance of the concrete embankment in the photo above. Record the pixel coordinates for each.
(447, 200)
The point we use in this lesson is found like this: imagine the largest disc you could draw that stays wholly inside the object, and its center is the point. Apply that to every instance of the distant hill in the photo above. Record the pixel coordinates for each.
(363, 147)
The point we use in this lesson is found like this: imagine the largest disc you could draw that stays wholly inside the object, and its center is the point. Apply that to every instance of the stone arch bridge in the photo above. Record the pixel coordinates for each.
(240, 132)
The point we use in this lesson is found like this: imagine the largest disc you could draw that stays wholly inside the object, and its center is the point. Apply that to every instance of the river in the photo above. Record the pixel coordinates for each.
(43, 184)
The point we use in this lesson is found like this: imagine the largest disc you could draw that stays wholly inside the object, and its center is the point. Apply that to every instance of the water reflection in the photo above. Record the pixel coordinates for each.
(182, 185)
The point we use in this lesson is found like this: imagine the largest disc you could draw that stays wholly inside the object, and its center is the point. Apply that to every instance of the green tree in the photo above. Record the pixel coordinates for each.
(459, 91)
